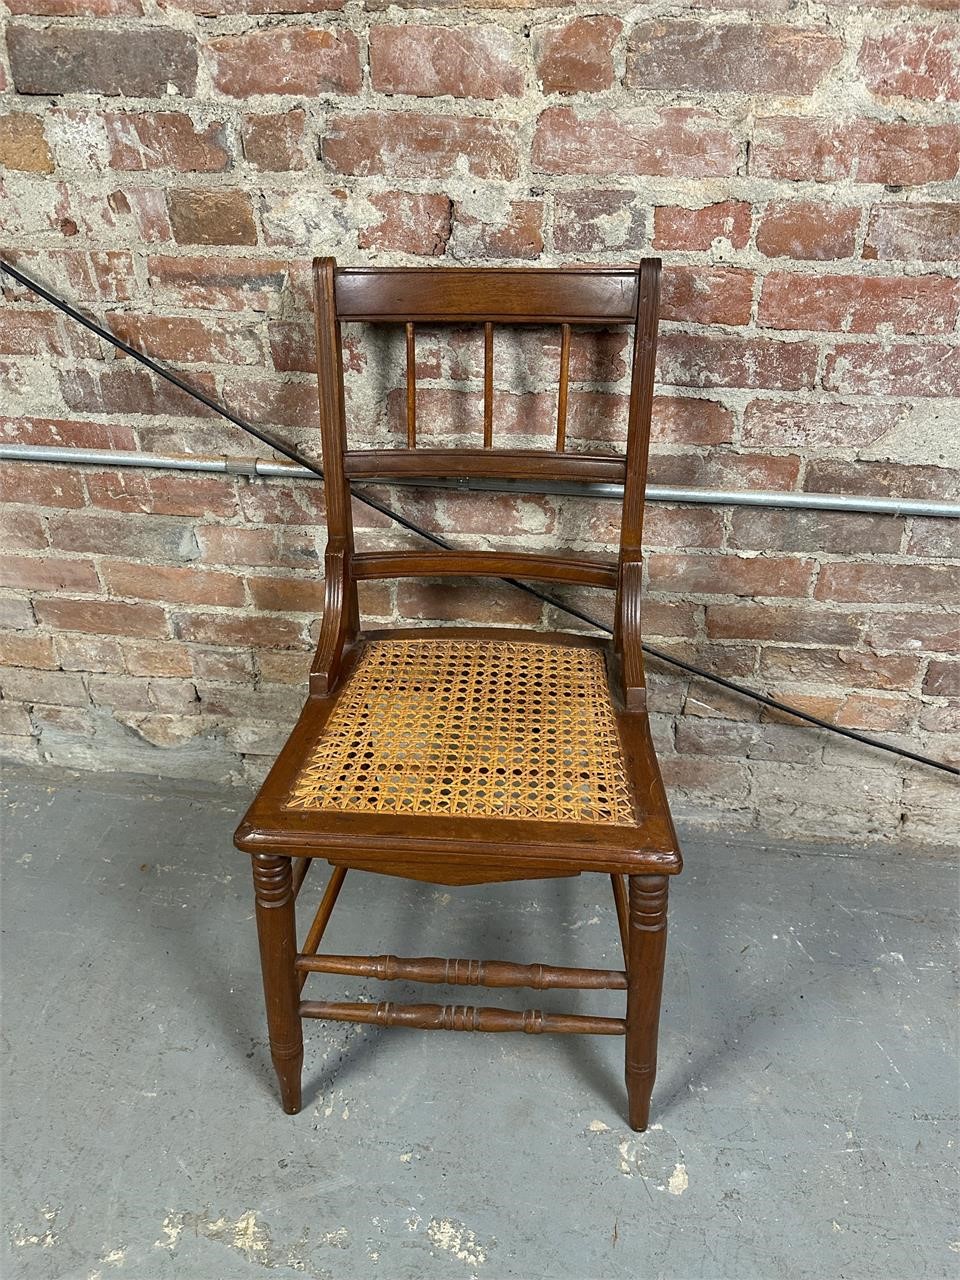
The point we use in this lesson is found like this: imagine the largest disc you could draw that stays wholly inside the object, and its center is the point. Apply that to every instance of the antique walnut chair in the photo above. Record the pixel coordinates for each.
(469, 755)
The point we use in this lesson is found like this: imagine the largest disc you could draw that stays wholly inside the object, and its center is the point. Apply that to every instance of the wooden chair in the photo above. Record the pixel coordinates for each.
(470, 755)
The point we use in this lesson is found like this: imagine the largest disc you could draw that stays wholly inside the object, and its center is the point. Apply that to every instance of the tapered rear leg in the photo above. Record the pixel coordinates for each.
(647, 945)
(277, 931)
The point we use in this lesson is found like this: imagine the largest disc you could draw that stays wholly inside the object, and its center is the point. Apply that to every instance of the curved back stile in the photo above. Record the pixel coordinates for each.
(598, 296)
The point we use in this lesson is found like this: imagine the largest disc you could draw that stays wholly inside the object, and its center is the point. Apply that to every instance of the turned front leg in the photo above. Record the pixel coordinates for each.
(647, 945)
(277, 931)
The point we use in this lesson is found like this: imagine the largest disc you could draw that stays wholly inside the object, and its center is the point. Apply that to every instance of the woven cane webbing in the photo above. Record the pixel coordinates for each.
(471, 728)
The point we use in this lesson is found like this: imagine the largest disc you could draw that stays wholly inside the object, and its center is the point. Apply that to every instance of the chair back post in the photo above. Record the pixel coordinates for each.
(341, 614)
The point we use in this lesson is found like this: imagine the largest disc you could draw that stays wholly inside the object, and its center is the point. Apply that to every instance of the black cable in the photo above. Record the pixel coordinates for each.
(289, 451)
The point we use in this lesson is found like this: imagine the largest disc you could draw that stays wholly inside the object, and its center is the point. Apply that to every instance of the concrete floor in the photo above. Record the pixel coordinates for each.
(804, 1117)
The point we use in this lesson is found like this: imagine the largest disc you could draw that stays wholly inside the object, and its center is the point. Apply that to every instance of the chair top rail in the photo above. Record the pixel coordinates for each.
(509, 295)
(486, 464)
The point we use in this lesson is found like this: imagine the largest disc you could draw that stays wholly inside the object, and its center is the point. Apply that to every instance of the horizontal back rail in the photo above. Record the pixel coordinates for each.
(450, 295)
(588, 571)
(485, 464)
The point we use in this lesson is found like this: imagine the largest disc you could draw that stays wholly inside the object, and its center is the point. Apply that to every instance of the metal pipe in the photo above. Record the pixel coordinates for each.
(254, 467)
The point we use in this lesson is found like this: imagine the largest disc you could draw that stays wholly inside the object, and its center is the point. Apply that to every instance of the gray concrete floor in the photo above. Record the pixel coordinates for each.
(804, 1117)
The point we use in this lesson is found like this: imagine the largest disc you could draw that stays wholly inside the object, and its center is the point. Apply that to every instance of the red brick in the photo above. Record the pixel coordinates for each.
(707, 295)
(216, 664)
(803, 623)
(77, 8)
(898, 370)
(40, 485)
(186, 340)
(107, 276)
(140, 63)
(891, 479)
(296, 60)
(697, 360)
(61, 431)
(164, 139)
(755, 529)
(730, 58)
(942, 679)
(518, 235)
(276, 143)
(808, 230)
(102, 617)
(677, 420)
(145, 210)
(409, 223)
(721, 469)
(78, 652)
(452, 600)
(877, 712)
(302, 594)
(815, 428)
(678, 228)
(405, 144)
(926, 231)
(27, 649)
(278, 502)
(22, 144)
(38, 333)
(465, 62)
(21, 530)
(233, 630)
(283, 668)
(177, 495)
(851, 668)
(272, 402)
(219, 283)
(226, 8)
(889, 583)
(155, 659)
(891, 152)
(176, 585)
(229, 544)
(207, 216)
(293, 346)
(859, 304)
(671, 527)
(599, 221)
(913, 62)
(577, 57)
(680, 142)
(48, 573)
(936, 538)
(730, 575)
(130, 390)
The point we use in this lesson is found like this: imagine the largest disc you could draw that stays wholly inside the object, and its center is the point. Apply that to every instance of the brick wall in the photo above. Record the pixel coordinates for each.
(173, 165)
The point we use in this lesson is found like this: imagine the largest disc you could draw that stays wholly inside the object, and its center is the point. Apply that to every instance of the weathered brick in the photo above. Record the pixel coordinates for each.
(21, 530)
(926, 231)
(207, 216)
(276, 143)
(517, 233)
(936, 538)
(889, 583)
(171, 583)
(129, 390)
(845, 667)
(801, 623)
(599, 221)
(677, 228)
(161, 658)
(102, 617)
(688, 360)
(138, 63)
(680, 142)
(408, 223)
(891, 152)
(225, 8)
(898, 370)
(859, 304)
(233, 630)
(295, 60)
(172, 495)
(232, 545)
(147, 537)
(577, 57)
(219, 283)
(758, 529)
(890, 479)
(22, 144)
(730, 575)
(707, 295)
(913, 62)
(165, 139)
(722, 469)
(291, 404)
(187, 340)
(59, 688)
(302, 594)
(48, 573)
(41, 485)
(76, 434)
(818, 427)
(452, 600)
(465, 62)
(679, 420)
(730, 58)
(104, 276)
(76, 652)
(16, 613)
(405, 144)
(808, 230)
(942, 679)
(27, 649)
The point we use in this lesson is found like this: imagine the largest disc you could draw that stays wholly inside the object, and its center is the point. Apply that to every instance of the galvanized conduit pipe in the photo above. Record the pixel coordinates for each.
(254, 467)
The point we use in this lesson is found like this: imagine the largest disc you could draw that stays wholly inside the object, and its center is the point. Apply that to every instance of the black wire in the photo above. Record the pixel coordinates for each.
(294, 454)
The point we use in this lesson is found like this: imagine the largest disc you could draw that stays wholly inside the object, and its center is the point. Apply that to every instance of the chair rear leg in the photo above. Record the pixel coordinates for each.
(647, 945)
(277, 931)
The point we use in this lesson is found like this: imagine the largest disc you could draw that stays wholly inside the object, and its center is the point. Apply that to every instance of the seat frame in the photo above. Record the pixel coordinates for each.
(451, 849)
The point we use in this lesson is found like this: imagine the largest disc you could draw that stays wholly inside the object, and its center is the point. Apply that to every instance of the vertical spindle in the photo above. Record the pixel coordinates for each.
(487, 385)
(411, 387)
(564, 377)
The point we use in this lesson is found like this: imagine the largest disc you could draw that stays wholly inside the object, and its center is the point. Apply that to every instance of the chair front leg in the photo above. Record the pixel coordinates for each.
(277, 931)
(647, 945)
